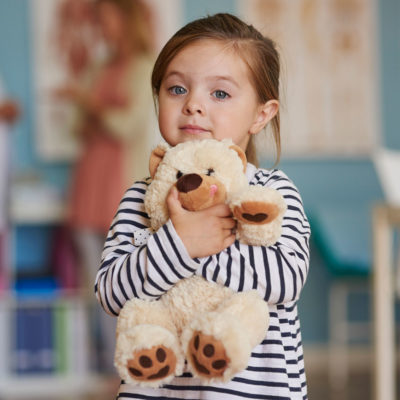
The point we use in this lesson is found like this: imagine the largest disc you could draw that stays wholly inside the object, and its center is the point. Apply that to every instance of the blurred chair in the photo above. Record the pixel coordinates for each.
(386, 219)
(342, 234)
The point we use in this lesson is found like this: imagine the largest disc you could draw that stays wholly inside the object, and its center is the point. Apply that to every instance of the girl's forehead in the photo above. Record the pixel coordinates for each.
(208, 46)
(208, 56)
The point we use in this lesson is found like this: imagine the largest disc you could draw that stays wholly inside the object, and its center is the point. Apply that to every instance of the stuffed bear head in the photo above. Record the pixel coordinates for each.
(205, 172)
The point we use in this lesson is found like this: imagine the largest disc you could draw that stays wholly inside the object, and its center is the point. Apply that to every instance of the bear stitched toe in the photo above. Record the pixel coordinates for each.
(152, 364)
(207, 355)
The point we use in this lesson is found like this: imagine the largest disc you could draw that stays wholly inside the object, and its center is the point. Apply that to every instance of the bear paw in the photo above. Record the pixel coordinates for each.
(154, 363)
(256, 212)
(216, 347)
(259, 212)
(148, 355)
(208, 355)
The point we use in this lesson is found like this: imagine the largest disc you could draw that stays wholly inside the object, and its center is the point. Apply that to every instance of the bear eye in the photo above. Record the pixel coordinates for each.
(179, 174)
(210, 171)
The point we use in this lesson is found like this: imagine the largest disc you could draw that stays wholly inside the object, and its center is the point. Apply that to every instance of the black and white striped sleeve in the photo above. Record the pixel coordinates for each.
(277, 272)
(146, 271)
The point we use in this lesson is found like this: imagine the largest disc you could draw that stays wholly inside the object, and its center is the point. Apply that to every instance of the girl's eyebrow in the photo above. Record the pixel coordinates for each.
(227, 78)
(174, 73)
(216, 78)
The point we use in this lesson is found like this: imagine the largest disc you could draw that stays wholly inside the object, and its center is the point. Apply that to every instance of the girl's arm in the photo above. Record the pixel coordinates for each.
(277, 272)
(143, 271)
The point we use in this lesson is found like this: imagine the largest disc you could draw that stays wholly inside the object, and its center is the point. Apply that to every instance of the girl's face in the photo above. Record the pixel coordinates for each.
(207, 93)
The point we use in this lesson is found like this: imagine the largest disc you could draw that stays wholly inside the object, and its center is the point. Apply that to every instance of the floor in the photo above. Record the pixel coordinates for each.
(359, 388)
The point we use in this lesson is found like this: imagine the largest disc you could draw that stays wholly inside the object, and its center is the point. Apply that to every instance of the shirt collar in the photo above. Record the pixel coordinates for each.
(250, 171)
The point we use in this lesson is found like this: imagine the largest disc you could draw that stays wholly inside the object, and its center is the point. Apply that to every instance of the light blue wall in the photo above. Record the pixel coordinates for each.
(194, 9)
(16, 63)
(15, 68)
(341, 184)
(390, 70)
(16, 73)
(333, 181)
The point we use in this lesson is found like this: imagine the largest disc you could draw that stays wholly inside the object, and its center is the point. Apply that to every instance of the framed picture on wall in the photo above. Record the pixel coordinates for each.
(65, 42)
(330, 97)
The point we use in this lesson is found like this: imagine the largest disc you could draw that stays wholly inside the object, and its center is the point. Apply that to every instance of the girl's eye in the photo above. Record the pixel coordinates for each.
(220, 94)
(177, 90)
(210, 171)
(179, 174)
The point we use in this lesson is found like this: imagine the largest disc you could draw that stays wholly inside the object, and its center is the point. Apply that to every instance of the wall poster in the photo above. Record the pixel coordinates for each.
(330, 103)
(64, 41)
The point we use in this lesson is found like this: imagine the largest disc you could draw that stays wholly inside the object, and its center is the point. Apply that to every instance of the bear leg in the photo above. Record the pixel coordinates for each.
(218, 344)
(148, 351)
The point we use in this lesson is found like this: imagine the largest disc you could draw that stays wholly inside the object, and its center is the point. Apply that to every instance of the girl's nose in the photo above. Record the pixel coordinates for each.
(193, 106)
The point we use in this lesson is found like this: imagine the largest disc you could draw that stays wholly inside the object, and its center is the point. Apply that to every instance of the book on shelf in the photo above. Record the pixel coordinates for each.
(34, 351)
(46, 250)
(4, 340)
(61, 343)
(52, 339)
(63, 259)
(73, 340)
(4, 261)
(40, 287)
(78, 338)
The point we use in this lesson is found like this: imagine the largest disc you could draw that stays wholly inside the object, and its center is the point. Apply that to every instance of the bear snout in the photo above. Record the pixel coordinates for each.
(189, 182)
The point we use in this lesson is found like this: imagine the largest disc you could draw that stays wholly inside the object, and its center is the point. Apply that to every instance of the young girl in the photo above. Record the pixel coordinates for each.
(216, 78)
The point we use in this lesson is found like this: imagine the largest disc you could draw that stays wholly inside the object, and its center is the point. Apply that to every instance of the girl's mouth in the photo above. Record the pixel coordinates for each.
(192, 129)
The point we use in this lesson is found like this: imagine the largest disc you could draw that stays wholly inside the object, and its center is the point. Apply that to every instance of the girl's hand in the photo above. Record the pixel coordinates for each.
(204, 232)
(74, 93)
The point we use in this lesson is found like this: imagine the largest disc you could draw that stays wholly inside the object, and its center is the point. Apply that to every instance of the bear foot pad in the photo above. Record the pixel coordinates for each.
(151, 364)
(256, 212)
(208, 355)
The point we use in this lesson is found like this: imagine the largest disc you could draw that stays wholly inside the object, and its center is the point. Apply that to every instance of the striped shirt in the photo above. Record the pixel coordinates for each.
(278, 273)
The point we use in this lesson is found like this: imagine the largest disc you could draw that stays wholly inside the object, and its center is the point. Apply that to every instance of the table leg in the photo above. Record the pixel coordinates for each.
(383, 282)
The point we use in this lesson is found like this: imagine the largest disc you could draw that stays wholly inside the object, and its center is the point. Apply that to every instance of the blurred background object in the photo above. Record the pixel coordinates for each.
(340, 90)
(113, 122)
(9, 113)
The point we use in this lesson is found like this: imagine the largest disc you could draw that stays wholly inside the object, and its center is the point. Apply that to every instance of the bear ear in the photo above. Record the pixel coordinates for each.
(156, 157)
(241, 155)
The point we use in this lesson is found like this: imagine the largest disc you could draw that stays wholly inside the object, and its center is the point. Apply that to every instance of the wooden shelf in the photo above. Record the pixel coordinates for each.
(35, 203)
(51, 386)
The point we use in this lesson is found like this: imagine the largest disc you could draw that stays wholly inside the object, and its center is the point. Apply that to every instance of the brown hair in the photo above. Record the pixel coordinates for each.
(256, 50)
(140, 23)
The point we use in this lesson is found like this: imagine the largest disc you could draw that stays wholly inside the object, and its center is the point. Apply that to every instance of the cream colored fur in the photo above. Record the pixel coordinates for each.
(238, 320)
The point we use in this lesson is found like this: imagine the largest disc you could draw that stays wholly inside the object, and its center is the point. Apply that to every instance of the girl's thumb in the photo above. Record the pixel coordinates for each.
(173, 203)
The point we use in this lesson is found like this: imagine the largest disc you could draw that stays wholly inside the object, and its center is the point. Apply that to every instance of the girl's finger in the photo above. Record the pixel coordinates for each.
(219, 210)
(173, 203)
(228, 223)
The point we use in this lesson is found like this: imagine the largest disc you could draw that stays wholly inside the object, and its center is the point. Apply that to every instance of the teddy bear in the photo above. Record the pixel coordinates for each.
(210, 326)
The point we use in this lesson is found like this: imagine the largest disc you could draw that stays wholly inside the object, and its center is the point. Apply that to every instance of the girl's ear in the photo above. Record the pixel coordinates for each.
(156, 157)
(266, 112)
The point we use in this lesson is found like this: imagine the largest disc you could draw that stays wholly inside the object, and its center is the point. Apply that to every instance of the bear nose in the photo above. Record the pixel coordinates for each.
(188, 182)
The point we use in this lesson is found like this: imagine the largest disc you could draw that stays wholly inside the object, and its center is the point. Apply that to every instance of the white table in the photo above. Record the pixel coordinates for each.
(385, 220)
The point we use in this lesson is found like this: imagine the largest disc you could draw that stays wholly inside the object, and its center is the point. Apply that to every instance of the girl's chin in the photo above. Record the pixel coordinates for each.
(188, 138)
(196, 136)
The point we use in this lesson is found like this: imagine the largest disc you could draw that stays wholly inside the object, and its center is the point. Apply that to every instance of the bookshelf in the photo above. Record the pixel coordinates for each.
(60, 369)
(46, 348)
